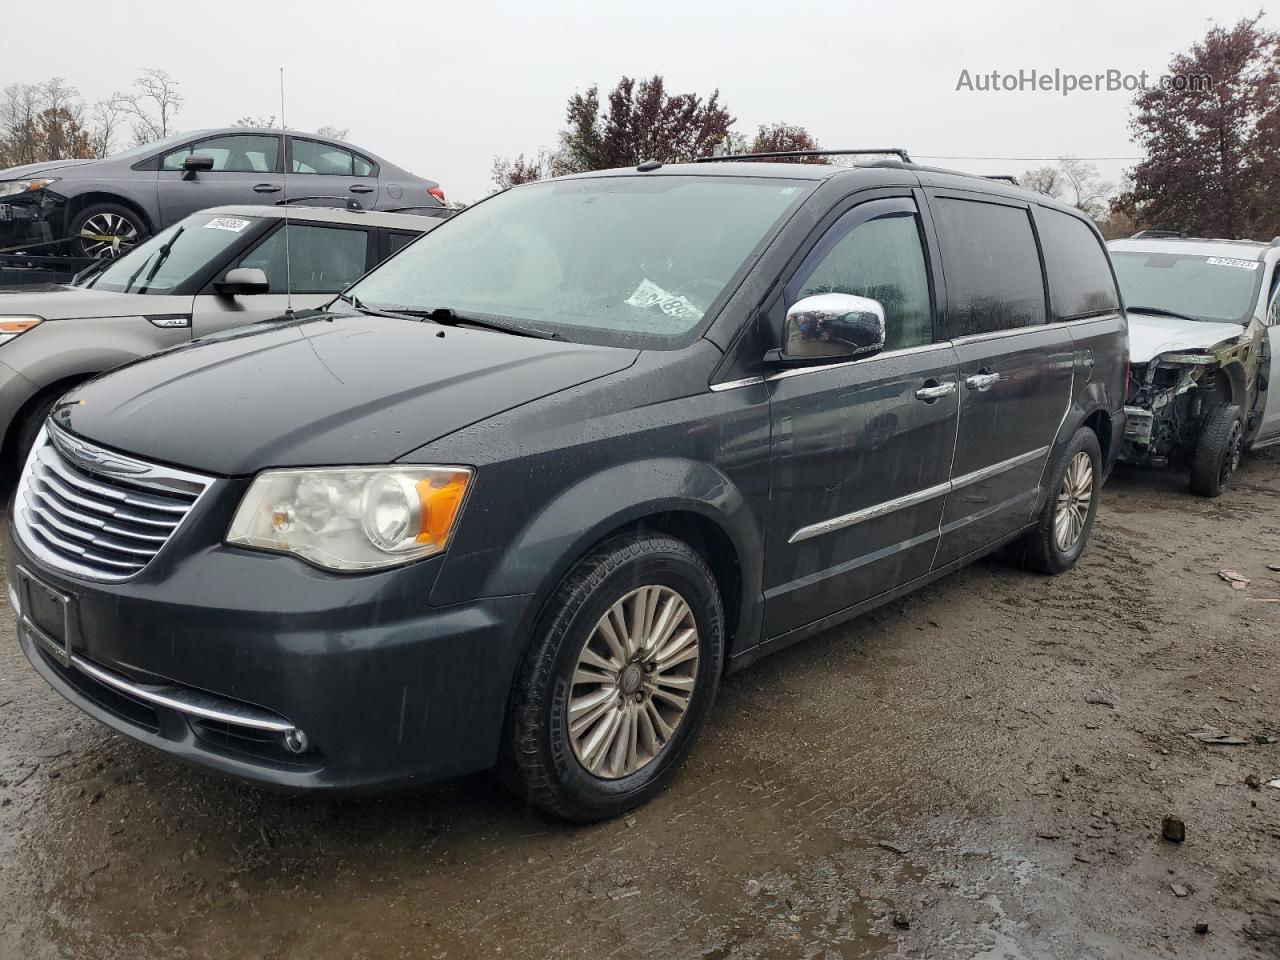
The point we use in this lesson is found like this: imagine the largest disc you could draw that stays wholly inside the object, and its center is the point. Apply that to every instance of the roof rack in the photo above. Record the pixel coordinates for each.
(899, 152)
(349, 203)
(1159, 235)
(1005, 177)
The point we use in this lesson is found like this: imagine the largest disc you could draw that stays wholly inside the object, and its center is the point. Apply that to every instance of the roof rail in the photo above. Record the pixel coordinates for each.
(1159, 235)
(899, 152)
(1005, 177)
(349, 203)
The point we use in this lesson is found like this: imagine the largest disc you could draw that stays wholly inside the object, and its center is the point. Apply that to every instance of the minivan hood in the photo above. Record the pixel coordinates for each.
(58, 302)
(30, 170)
(1151, 335)
(328, 390)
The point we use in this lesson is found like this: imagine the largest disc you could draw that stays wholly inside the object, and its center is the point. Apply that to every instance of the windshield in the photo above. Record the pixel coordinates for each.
(632, 261)
(1203, 288)
(149, 268)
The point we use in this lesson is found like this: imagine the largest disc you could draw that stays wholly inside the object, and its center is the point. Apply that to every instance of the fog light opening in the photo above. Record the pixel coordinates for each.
(296, 741)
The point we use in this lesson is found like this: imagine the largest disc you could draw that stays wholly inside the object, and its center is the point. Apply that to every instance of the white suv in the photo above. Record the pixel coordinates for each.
(1204, 344)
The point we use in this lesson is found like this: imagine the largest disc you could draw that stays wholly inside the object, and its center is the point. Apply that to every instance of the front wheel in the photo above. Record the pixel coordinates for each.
(618, 680)
(1218, 450)
(104, 230)
(1058, 539)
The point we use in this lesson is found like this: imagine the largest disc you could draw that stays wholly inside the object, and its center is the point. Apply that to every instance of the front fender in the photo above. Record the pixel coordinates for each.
(588, 511)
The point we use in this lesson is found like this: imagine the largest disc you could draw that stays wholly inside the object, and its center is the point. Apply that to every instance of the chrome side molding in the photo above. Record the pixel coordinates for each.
(847, 520)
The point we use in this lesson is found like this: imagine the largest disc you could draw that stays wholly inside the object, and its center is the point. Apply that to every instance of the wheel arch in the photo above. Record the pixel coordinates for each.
(79, 202)
(38, 396)
(692, 501)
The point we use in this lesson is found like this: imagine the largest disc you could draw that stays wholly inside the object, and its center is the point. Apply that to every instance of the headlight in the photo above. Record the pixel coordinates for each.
(9, 188)
(352, 518)
(12, 327)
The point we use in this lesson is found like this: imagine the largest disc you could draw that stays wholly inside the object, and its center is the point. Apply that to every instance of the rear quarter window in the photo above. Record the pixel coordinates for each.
(991, 264)
(1080, 280)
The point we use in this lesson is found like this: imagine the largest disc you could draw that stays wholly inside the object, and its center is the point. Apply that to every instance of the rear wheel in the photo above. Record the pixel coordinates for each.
(1219, 450)
(618, 680)
(1062, 530)
(103, 230)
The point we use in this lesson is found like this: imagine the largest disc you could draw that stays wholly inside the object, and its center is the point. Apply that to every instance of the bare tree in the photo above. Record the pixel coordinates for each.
(252, 121)
(153, 104)
(19, 108)
(333, 133)
(106, 117)
(1072, 181)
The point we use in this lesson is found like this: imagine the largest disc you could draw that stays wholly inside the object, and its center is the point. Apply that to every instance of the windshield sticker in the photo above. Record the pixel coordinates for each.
(649, 294)
(234, 224)
(1230, 262)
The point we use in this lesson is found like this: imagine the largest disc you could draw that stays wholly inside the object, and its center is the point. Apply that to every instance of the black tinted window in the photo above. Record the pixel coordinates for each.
(1080, 282)
(397, 239)
(991, 266)
(321, 259)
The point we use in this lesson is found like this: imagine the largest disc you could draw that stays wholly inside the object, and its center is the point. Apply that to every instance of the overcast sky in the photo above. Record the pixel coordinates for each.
(441, 88)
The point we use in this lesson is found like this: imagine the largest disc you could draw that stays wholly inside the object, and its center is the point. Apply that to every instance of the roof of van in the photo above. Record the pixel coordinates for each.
(816, 171)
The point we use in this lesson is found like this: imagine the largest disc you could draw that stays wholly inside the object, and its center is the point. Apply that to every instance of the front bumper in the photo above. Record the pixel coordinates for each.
(386, 689)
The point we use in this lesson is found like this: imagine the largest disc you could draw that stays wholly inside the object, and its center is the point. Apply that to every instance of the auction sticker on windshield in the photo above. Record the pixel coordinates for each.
(234, 224)
(1231, 262)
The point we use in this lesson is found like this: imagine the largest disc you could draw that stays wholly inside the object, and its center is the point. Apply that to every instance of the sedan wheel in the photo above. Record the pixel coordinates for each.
(1074, 498)
(633, 682)
(107, 235)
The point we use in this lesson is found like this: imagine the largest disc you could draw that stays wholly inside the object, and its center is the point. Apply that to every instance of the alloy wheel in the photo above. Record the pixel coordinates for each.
(1074, 498)
(633, 682)
(107, 235)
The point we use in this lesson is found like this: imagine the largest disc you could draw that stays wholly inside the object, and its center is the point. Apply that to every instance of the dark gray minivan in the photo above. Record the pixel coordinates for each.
(526, 491)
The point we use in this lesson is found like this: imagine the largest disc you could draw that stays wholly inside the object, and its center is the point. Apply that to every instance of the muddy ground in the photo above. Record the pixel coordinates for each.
(978, 770)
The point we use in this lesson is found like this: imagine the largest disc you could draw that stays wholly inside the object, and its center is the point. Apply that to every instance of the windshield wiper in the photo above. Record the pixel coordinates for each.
(356, 302)
(161, 255)
(448, 317)
(1162, 312)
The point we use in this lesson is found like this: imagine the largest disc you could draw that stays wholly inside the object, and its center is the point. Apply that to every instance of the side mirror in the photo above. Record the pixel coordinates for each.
(832, 326)
(243, 281)
(195, 162)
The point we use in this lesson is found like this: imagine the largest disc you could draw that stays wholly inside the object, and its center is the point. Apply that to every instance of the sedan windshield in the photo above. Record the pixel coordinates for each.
(632, 261)
(172, 256)
(1201, 288)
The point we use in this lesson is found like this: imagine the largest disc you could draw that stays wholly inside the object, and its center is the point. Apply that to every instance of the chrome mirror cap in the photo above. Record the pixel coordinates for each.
(832, 326)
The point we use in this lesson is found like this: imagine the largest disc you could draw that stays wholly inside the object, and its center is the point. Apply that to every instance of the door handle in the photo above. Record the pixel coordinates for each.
(982, 381)
(933, 391)
(266, 188)
(361, 188)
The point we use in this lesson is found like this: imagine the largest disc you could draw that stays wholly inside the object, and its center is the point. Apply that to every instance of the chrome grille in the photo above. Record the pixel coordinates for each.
(95, 513)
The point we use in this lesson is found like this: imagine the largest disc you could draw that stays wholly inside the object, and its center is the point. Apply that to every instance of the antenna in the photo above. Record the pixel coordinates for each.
(286, 146)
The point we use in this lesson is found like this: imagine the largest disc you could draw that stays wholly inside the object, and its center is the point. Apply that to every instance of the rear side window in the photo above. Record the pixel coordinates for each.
(398, 239)
(1080, 281)
(310, 156)
(991, 265)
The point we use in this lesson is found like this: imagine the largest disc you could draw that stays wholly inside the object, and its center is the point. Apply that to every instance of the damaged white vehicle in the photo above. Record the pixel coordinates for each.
(1204, 353)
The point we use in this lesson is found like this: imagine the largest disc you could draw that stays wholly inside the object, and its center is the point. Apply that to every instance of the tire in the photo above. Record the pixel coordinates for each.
(1054, 545)
(1219, 449)
(549, 763)
(105, 220)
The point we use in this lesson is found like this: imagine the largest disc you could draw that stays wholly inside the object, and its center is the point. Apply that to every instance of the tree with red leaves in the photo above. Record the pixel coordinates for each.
(784, 137)
(638, 121)
(1213, 149)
